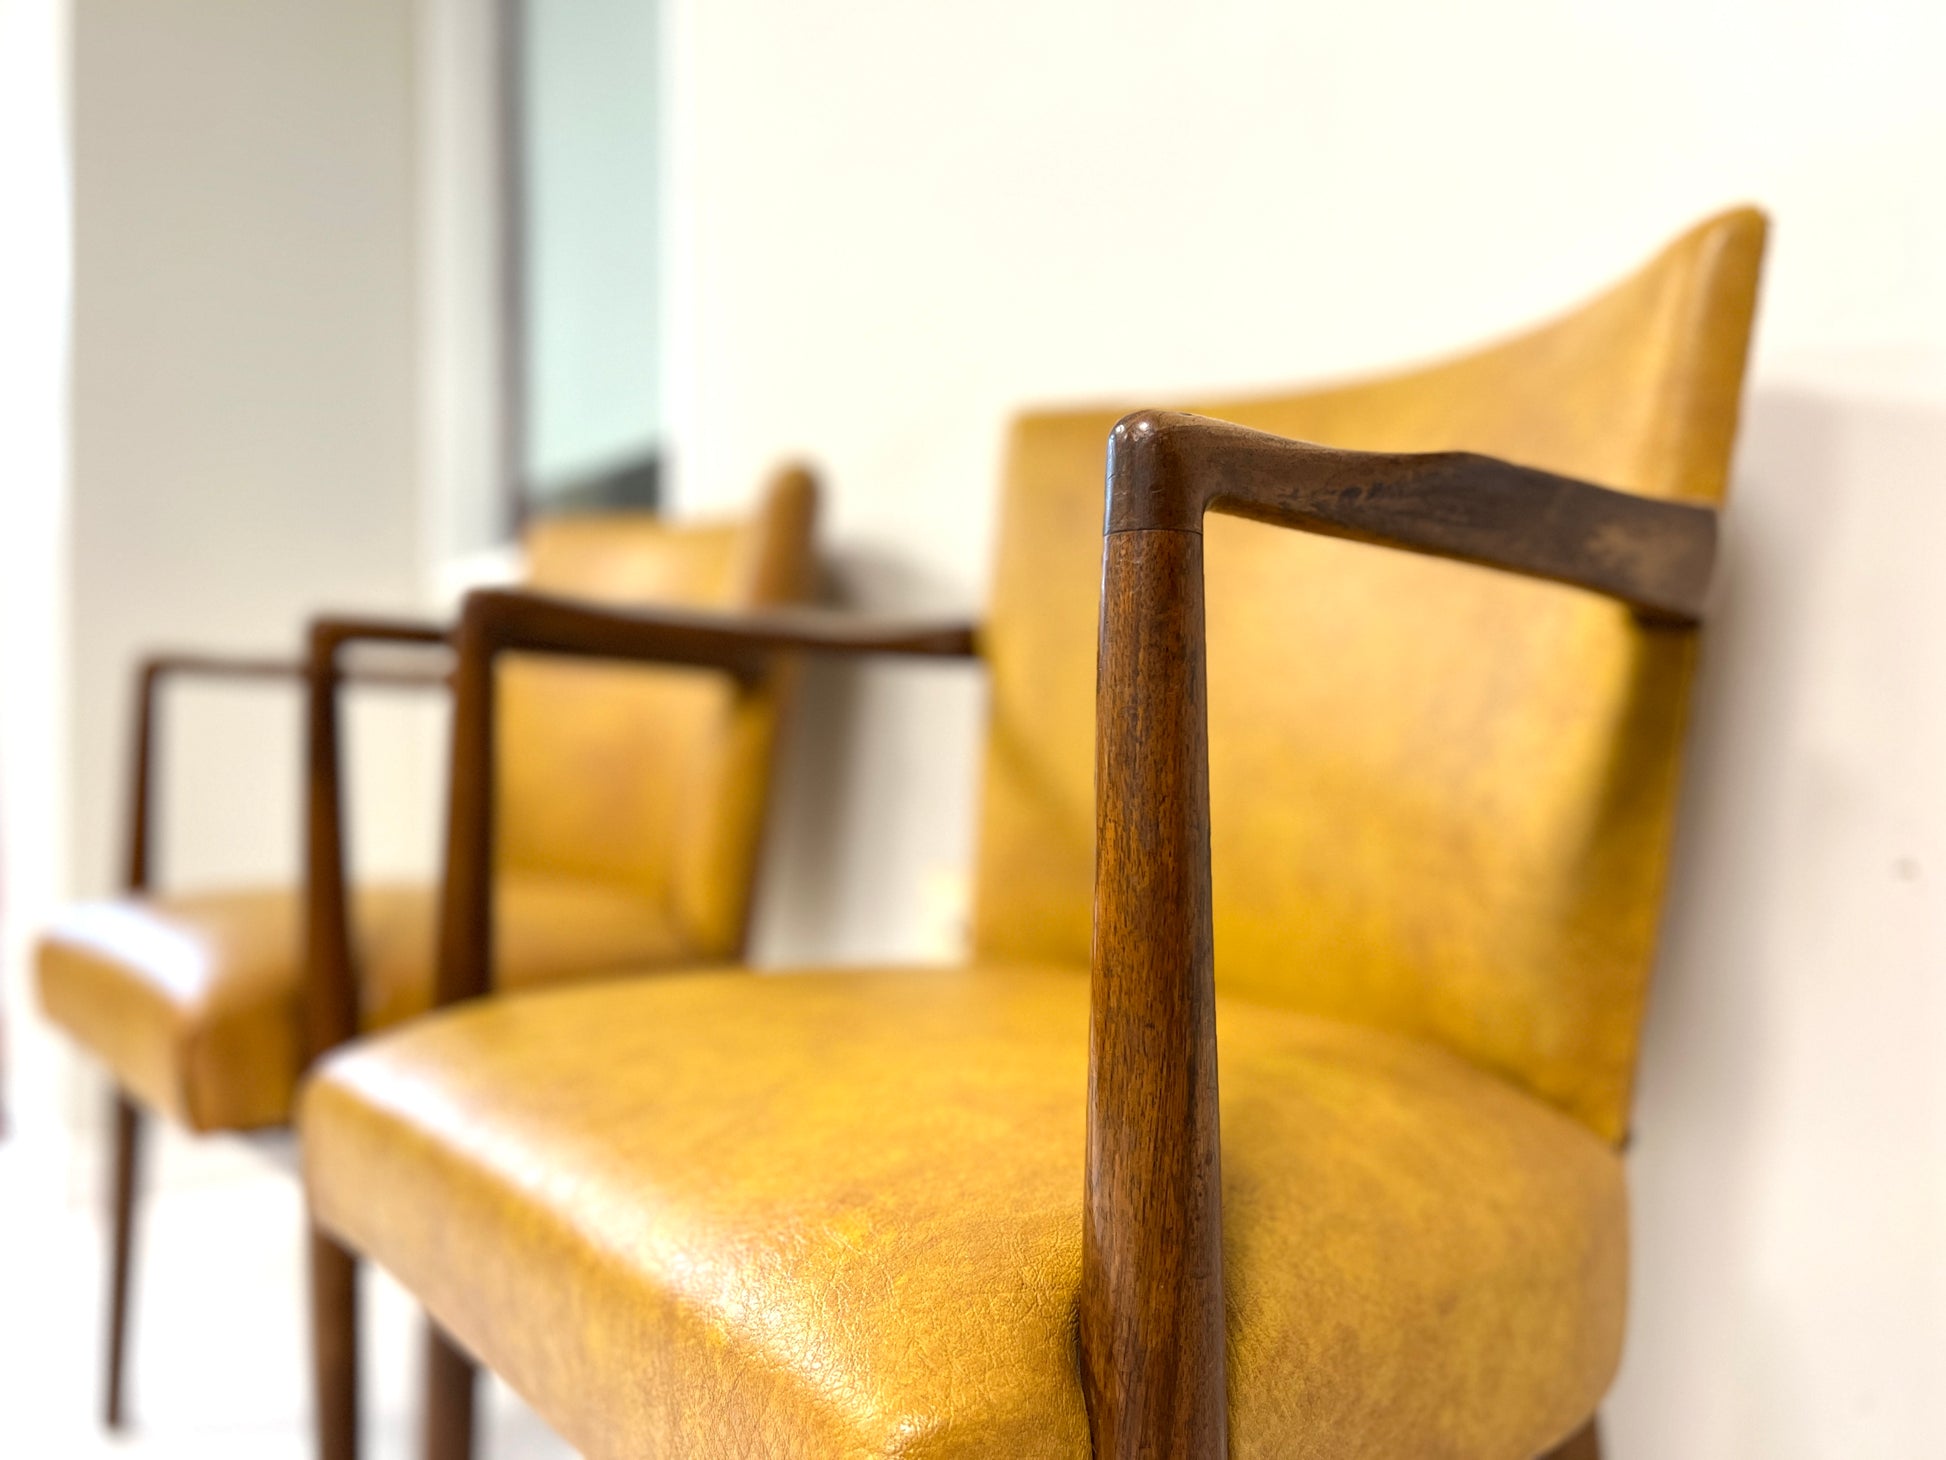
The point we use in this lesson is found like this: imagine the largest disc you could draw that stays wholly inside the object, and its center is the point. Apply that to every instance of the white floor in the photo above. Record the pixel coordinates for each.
(219, 1352)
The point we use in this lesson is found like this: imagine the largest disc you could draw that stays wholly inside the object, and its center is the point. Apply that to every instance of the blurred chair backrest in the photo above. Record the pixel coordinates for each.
(651, 780)
(1441, 797)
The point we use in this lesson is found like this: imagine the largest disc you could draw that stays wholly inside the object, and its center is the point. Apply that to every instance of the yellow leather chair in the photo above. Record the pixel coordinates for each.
(630, 800)
(1391, 853)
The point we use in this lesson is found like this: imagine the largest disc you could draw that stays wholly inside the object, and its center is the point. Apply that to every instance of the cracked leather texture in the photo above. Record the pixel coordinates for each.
(629, 818)
(840, 1215)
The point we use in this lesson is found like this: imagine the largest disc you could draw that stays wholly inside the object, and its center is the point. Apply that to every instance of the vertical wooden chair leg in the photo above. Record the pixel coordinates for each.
(127, 1151)
(334, 1347)
(449, 1398)
(1585, 1444)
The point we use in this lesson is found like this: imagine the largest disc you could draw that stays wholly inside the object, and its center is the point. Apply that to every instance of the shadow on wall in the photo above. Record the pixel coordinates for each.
(873, 830)
(1792, 1114)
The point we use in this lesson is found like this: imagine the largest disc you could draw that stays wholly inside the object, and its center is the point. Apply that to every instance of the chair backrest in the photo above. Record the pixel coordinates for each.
(651, 780)
(1441, 798)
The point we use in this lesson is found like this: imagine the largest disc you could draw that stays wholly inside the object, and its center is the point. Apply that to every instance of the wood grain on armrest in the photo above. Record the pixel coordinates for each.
(1166, 469)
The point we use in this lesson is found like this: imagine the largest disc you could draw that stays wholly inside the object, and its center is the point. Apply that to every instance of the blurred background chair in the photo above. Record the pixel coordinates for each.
(1426, 837)
(631, 805)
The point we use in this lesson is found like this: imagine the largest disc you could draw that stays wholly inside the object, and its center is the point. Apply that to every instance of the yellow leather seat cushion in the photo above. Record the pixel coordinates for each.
(193, 1002)
(840, 1214)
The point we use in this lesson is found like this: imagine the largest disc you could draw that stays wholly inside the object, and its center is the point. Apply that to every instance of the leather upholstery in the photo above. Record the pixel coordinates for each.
(840, 1215)
(193, 1001)
(629, 817)
(1441, 798)
(641, 778)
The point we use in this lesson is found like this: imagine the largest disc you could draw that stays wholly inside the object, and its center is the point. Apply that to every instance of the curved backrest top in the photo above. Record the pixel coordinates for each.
(1441, 798)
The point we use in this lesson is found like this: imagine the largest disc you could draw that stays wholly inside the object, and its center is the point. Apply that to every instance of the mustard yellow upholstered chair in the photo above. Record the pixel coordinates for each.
(630, 803)
(1321, 1159)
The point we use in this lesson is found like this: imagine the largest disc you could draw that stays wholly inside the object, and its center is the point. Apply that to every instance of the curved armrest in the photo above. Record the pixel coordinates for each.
(1152, 1317)
(1166, 469)
(334, 630)
(497, 621)
(167, 662)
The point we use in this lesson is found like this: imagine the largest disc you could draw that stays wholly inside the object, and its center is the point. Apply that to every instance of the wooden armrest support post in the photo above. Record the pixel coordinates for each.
(1152, 1315)
(330, 975)
(330, 997)
(497, 621)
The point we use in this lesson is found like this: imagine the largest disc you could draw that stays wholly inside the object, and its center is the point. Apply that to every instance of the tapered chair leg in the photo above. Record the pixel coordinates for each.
(1584, 1445)
(334, 1347)
(126, 1136)
(449, 1398)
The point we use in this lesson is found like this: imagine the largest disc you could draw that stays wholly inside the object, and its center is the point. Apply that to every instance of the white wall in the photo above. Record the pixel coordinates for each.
(463, 510)
(889, 225)
(244, 422)
(244, 440)
(33, 515)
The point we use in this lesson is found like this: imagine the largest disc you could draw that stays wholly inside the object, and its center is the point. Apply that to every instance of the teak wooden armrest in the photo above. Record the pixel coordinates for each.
(1152, 1318)
(1165, 469)
(497, 621)
(331, 632)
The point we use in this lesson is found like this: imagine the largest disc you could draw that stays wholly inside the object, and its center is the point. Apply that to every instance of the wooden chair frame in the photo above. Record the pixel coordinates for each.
(127, 1121)
(1152, 1315)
